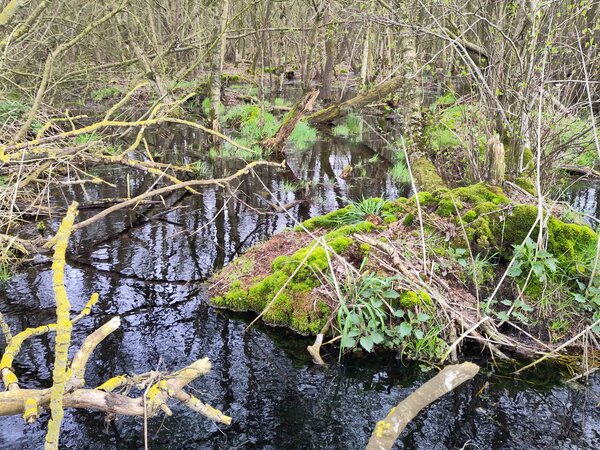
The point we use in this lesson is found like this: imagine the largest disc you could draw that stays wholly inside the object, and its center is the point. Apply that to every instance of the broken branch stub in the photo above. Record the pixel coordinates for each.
(387, 430)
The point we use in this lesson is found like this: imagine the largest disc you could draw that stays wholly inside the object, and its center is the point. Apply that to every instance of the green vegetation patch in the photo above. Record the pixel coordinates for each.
(371, 311)
(106, 93)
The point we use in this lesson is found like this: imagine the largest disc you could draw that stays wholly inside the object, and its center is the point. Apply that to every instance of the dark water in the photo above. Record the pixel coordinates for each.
(149, 267)
(584, 196)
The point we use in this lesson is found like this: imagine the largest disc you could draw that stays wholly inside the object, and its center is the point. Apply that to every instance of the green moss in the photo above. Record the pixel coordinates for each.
(480, 233)
(447, 207)
(570, 242)
(410, 299)
(426, 199)
(485, 208)
(341, 243)
(426, 176)
(517, 224)
(469, 216)
(480, 192)
(525, 184)
(408, 220)
(327, 221)
(527, 156)
(365, 250)
(396, 207)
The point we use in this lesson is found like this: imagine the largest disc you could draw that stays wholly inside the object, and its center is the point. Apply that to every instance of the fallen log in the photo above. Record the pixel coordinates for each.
(290, 121)
(373, 95)
(581, 170)
(387, 430)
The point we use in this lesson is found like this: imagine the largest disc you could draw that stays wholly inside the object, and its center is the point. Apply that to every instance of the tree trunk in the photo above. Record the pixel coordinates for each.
(217, 69)
(329, 63)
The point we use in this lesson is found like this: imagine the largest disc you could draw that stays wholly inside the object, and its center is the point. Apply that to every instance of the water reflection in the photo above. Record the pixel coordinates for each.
(148, 267)
(584, 196)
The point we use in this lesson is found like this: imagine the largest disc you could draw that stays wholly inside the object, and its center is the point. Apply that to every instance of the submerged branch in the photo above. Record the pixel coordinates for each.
(387, 430)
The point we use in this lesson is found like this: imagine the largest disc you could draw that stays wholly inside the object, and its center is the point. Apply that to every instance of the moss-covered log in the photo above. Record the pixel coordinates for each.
(290, 120)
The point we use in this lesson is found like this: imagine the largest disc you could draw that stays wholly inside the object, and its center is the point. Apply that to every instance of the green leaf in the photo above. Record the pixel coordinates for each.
(390, 293)
(579, 298)
(367, 343)
(377, 337)
(502, 315)
(506, 302)
(354, 318)
(538, 269)
(422, 317)
(376, 303)
(404, 329)
(525, 307)
(399, 313)
(418, 334)
(348, 342)
(353, 333)
(515, 270)
(551, 265)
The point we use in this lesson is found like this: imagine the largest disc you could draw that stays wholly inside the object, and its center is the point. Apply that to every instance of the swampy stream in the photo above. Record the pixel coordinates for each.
(149, 270)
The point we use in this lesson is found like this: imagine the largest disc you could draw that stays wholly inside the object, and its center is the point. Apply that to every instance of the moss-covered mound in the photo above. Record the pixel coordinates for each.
(472, 235)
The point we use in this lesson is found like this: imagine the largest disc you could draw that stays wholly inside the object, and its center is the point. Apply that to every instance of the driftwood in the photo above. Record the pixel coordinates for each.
(290, 121)
(387, 430)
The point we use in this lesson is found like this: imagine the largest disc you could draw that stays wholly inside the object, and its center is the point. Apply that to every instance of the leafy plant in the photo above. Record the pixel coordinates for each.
(400, 173)
(290, 186)
(86, 138)
(253, 123)
(200, 168)
(516, 309)
(4, 273)
(363, 210)
(105, 93)
(480, 269)
(364, 310)
(371, 314)
(113, 150)
(528, 257)
(351, 130)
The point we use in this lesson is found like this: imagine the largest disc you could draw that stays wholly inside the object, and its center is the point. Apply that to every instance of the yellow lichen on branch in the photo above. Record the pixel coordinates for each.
(387, 430)
(113, 383)
(31, 410)
(14, 345)
(206, 410)
(63, 328)
(10, 10)
(83, 355)
(12, 349)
